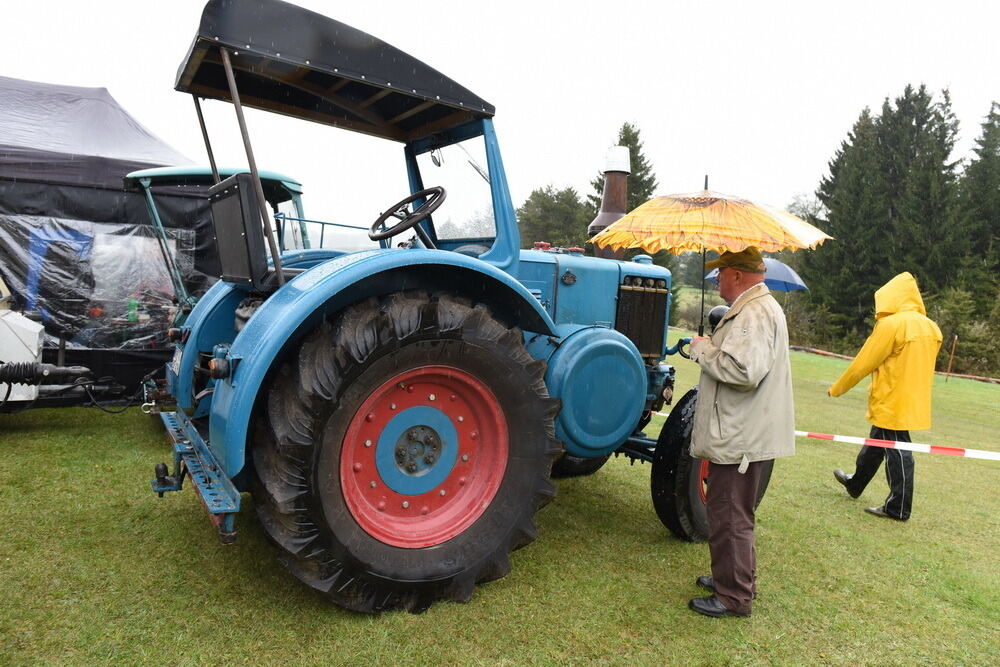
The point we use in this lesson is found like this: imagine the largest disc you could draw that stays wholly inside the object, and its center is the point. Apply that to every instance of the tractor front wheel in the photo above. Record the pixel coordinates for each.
(678, 481)
(404, 453)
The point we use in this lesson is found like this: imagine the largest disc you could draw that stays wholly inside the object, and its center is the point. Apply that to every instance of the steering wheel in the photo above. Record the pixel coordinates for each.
(435, 197)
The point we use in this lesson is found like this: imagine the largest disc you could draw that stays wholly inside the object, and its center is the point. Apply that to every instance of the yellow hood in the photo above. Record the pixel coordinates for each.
(898, 295)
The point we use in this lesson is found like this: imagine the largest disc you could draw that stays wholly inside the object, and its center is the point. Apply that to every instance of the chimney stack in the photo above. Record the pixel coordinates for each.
(613, 199)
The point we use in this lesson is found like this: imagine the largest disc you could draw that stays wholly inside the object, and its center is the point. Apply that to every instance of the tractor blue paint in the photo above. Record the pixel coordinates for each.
(601, 380)
(427, 476)
(323, 290)
(213, 322)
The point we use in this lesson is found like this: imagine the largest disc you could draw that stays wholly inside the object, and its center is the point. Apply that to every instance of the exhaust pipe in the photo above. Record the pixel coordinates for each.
(613, 199)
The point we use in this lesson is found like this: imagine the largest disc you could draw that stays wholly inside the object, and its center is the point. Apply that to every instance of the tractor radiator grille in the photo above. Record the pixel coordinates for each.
(642, 314)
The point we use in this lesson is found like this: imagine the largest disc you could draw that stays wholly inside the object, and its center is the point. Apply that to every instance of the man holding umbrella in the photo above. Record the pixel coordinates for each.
(744, 417)
(744, 414)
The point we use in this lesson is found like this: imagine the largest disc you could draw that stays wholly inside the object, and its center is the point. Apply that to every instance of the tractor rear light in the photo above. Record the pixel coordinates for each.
(218, 368)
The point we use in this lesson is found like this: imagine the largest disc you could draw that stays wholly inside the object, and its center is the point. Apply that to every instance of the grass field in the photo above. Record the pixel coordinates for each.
(94, 569)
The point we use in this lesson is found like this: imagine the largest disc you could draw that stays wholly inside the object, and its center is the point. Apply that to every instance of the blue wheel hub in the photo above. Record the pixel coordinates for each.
(416, 450)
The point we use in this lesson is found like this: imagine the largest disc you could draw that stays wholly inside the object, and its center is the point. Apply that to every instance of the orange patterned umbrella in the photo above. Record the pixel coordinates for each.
(708, 220)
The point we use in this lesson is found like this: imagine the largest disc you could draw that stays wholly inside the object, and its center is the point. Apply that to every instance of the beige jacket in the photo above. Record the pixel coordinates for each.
(745, 411)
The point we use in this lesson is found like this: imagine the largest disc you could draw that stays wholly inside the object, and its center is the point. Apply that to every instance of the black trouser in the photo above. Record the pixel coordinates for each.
(898, 471)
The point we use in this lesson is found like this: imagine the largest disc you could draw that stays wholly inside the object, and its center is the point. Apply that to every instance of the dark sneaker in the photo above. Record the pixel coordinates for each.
(880, 511)
(845, 479)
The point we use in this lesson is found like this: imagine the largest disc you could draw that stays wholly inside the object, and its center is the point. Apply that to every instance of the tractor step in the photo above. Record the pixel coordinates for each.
(193, 458)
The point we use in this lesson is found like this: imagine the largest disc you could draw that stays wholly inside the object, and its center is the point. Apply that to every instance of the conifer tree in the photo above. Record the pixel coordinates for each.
(978, 219)
(555, 216)
(890, 202)
(843, 273)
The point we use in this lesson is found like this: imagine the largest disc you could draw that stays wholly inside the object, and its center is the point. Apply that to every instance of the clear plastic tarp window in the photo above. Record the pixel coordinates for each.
(97, 285)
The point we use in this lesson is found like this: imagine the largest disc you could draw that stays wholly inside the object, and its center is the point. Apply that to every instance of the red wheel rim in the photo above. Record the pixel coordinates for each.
(427, 497)
(703, 481)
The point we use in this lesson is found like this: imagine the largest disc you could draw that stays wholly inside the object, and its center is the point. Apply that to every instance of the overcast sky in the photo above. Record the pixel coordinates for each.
(756, 94)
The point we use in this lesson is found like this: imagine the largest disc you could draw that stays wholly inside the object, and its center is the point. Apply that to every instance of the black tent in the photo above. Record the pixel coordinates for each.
(74, 246)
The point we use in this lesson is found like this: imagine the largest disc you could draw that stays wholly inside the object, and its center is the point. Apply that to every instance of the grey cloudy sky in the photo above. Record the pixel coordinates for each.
(756, 94)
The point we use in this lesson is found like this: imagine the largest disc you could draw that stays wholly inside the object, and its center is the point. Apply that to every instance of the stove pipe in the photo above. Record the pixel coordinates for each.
(613, 199)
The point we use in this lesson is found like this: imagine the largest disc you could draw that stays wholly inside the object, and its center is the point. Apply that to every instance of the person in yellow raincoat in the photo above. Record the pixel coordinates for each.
(899, 354)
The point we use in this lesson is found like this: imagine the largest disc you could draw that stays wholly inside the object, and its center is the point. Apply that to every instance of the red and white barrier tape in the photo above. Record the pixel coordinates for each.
(911, 446)
(895, 444)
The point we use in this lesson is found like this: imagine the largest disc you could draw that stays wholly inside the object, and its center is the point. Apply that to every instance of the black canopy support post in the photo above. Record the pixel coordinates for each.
(261, 201)
(208, 144)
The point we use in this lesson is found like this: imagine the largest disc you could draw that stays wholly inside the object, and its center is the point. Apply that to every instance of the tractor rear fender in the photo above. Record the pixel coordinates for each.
(301, 305)
(212, 322)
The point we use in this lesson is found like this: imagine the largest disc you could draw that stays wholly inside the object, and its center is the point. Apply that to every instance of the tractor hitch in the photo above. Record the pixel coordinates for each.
(193, 458)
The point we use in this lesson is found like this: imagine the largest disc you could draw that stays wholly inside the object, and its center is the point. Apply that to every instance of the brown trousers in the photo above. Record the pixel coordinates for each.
(730, 504)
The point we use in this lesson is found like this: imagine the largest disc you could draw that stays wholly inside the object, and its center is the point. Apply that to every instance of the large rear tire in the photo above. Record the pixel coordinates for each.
(677, 481)
(404, 453)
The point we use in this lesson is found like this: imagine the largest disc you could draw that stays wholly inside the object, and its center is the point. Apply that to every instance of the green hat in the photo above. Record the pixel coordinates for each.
(748, 260)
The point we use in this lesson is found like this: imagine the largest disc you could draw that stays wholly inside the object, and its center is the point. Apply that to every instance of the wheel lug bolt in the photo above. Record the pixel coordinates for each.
(368, 443)
(461, 418)
(371, 484)
(406, 503)
(432, 397)
(402, 385)
(465, 457)
(357, 467)
(443, 492)
(392, 406)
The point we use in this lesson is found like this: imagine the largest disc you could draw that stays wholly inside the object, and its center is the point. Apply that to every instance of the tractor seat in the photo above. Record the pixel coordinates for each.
(472, 249)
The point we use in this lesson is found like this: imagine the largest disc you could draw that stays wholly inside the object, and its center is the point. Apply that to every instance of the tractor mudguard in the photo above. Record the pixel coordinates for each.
(303, 302)
(212, 323)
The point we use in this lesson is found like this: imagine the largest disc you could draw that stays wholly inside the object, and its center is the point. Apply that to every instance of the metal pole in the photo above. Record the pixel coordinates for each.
(183, 298)
(701, 321)
(204, 135)
(261, 201)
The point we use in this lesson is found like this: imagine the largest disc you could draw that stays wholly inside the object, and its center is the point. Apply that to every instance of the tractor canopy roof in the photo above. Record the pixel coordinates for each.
(296, 62)
(277, 187)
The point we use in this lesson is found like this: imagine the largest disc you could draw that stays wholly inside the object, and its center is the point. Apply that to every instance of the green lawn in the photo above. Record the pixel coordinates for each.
(95, 569)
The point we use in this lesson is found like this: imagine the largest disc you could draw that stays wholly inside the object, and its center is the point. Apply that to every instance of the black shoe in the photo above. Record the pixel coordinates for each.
(711, 606)
(845, 479)
(880, 511)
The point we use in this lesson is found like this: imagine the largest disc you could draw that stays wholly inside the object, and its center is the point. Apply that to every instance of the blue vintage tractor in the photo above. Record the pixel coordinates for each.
(396, 413)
